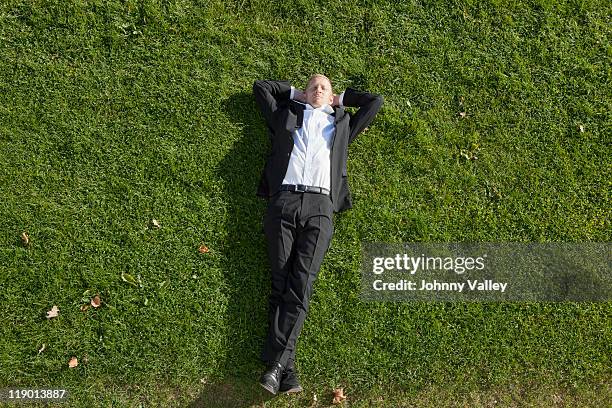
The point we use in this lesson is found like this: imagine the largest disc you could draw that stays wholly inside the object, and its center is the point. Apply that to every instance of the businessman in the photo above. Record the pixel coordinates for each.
(305, 182)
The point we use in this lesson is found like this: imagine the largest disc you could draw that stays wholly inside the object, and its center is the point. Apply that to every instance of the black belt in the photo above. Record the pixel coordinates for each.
(300, 188)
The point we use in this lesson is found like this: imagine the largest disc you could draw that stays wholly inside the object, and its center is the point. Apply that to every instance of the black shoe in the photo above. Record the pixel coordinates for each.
(270, 379)
(289, 382)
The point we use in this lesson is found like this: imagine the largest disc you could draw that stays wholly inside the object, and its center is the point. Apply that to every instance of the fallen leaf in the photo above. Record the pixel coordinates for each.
(338, 396)
(25, 239)
(203, 249)
(44, 346)
(84, 307)
(73, 362)
(155, 223)
(95, 302)
(53, 312)
(126, 277)
(462, 115)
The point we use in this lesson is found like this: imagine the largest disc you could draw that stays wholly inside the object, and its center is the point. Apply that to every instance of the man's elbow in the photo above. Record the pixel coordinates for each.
(256, 86)
(377, 102)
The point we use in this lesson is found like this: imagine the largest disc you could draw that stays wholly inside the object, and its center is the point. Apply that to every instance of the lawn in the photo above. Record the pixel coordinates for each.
(496, 127)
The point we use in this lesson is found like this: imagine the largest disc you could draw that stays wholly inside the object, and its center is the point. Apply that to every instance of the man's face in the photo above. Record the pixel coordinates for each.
(319, 92)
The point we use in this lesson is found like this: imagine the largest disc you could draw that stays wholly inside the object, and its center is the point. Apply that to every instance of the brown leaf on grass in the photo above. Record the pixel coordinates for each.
(73, 362)
(25, 239)
(95, 301)
(53, 312)
(203, 249)
(338, 396)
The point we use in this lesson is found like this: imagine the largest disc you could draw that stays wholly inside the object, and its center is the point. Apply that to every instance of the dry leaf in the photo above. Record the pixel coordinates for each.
(53, 312)
(203, 249)
(73, 362)
(338, 396)
(25, 239)
(44, 346)
(462, 115)
(155, 223)
(95, 302)
(84, 307)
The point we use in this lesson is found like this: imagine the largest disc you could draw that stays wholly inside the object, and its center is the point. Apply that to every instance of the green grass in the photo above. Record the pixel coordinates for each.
(114, 113)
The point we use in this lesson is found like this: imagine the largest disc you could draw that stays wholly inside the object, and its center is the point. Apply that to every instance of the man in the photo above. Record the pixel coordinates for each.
(305, 182)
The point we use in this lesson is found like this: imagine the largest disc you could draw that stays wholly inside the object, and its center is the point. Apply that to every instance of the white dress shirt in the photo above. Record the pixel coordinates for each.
(310, 160)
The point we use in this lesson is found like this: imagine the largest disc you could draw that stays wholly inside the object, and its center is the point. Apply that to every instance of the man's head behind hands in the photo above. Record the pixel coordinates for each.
(319, 91)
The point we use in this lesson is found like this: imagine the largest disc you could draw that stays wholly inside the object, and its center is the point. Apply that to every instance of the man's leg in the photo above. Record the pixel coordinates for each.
(313, 236)
(280, 224)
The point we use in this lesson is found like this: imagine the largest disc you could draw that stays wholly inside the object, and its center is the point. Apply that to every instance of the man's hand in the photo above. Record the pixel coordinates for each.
(299, 96)
(336, 101)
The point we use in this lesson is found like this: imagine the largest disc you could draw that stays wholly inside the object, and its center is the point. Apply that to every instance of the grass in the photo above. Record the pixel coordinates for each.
(115, 113)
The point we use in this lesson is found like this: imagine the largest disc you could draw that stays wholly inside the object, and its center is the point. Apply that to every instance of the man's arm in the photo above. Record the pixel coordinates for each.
(368, 103)
(268, 94)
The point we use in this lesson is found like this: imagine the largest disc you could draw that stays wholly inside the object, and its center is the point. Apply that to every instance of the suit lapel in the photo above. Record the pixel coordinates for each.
(295, 116)
(338, 113)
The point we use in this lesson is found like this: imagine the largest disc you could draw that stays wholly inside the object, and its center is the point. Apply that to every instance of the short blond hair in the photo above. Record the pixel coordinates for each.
(318, 76)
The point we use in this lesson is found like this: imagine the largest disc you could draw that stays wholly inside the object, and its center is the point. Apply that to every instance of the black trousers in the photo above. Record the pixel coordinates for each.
(298, 229)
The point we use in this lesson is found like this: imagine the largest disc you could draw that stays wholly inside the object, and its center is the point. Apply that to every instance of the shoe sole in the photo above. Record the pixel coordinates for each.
(293, 390)
(268, 388)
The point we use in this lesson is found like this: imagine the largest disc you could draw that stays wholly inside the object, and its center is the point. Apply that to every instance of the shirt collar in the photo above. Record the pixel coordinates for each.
(325, 108)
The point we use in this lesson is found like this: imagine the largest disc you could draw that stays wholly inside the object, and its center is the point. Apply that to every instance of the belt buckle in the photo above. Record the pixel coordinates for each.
(300, 188)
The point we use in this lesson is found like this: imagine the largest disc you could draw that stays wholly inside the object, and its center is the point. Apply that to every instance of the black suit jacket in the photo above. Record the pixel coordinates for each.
(284, 115)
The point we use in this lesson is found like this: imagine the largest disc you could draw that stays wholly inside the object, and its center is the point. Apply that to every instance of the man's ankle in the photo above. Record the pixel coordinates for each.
(290, 365)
